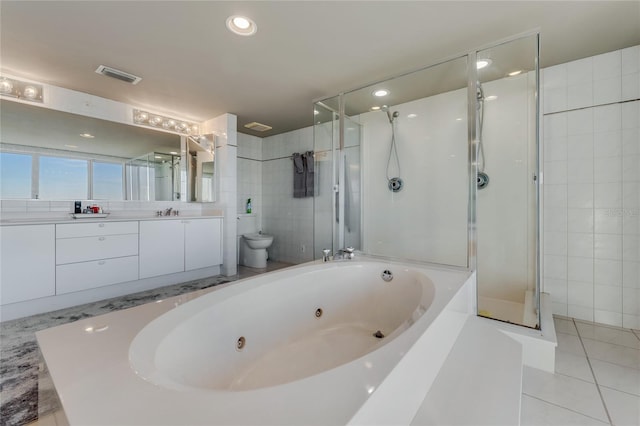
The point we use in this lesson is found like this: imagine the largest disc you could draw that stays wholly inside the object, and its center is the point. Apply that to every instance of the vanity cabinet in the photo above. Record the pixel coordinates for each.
(91, 255)
(27, 262)
(177, 245)
(202, 243)
(161, 247)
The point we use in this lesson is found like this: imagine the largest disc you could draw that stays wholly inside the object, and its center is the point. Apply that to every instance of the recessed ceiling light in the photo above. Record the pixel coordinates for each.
(375, 108)
(87, 135)
(491, 98)
(241, 25)
(380, 92)
(514, 73)
(412, 115)
(482, 63)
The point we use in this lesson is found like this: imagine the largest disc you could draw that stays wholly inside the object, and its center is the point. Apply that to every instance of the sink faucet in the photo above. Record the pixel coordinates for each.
(344, 254)
(167, 212)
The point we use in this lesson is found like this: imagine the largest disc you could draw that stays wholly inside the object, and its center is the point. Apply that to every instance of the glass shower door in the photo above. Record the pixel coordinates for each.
(507, 195)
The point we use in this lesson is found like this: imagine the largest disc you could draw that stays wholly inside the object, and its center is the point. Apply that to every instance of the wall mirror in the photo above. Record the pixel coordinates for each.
(55, 155)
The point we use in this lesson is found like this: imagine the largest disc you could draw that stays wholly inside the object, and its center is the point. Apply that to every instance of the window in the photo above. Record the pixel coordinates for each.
(107, 181)
(15, 175)
(63, 179)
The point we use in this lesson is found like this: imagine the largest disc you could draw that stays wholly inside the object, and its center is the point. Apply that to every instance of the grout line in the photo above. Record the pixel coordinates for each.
(636, 333)
(604, 405)
(565, 408)
(621, 391)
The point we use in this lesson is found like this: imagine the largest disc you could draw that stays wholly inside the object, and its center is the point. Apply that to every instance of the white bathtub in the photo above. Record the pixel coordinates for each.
(295, 346)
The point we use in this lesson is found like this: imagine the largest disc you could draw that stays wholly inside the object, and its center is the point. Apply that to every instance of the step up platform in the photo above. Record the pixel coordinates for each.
(480, 383)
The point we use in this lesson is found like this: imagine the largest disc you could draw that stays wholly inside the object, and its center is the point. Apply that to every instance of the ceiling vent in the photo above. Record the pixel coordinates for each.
(120, 75)
(258, 127)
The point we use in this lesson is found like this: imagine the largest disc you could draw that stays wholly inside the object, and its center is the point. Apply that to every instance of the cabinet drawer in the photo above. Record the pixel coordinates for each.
(95, 228)
(71, 250)
(88, 275)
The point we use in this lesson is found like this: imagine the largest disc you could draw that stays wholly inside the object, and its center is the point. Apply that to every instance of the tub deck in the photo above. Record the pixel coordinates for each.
(89, 364)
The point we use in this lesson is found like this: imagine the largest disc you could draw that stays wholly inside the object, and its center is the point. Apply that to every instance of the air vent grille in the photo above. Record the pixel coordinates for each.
(120, 75)
(258, 127)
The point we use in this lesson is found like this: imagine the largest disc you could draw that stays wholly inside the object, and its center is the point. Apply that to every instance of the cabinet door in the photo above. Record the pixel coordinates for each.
(161, 247)
(203, 243)
(27, 262)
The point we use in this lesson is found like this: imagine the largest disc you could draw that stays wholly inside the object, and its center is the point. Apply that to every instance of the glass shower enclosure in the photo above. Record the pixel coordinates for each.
(439, 166)
(153, 177)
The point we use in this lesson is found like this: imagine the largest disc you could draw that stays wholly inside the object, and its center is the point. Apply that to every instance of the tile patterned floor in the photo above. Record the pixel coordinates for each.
(597, 379)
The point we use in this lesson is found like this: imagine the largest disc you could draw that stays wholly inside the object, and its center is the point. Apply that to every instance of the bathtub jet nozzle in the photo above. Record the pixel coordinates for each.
(378, 334)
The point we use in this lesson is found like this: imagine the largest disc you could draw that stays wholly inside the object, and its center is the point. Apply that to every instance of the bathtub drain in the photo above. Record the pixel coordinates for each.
(318, 312)
(240, 343)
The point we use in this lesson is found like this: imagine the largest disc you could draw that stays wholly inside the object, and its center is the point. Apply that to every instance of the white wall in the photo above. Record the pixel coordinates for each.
(592, 187)
(427, 219)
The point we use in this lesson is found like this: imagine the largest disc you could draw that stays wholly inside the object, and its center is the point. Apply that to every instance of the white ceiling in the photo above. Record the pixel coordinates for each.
(193, 67)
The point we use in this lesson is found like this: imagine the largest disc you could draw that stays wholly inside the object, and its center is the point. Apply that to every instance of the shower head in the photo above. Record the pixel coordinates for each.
(391, 115)
(479, 92)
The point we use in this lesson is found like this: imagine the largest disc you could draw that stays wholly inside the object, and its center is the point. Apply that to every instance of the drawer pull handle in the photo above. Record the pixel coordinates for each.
(101, 225)
(101, 239)
(102, 262)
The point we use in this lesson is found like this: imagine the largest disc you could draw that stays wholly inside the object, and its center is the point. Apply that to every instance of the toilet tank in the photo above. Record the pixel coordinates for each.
(247, 224)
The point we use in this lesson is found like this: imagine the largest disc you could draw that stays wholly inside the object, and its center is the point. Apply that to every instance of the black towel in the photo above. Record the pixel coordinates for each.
(298, 176)
(309, 173)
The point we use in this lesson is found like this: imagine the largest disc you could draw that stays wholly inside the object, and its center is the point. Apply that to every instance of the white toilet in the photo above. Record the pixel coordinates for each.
(252, 244)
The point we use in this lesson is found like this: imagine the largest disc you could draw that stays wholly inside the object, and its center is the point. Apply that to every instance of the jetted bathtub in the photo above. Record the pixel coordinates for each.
(350, 342)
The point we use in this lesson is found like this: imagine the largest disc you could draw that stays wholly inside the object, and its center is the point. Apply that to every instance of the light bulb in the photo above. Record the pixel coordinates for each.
(6, 86)
(30, 92)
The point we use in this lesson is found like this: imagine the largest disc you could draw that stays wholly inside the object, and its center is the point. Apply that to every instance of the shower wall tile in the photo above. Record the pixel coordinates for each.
(580, 195)
(580, 244)
(580, 146)
(585, 108)
(580, 294)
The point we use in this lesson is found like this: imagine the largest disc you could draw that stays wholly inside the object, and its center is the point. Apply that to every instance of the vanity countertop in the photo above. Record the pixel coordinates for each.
(111, 218)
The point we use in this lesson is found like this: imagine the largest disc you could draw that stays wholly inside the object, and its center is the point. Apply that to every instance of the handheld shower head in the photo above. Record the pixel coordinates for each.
(391, 115)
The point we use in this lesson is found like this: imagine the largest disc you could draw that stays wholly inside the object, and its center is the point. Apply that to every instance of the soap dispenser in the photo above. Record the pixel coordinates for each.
(249, 205)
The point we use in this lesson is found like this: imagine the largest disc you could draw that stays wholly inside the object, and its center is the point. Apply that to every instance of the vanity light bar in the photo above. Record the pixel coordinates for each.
(21, 89)
(148, 119)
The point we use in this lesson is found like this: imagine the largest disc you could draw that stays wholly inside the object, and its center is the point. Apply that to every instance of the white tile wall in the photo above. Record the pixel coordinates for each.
(288, 219)
(592, 187)
(250, 174)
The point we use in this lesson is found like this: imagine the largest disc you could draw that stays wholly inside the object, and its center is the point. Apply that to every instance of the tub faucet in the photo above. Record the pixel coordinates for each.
(326, 255)
(344, 254)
